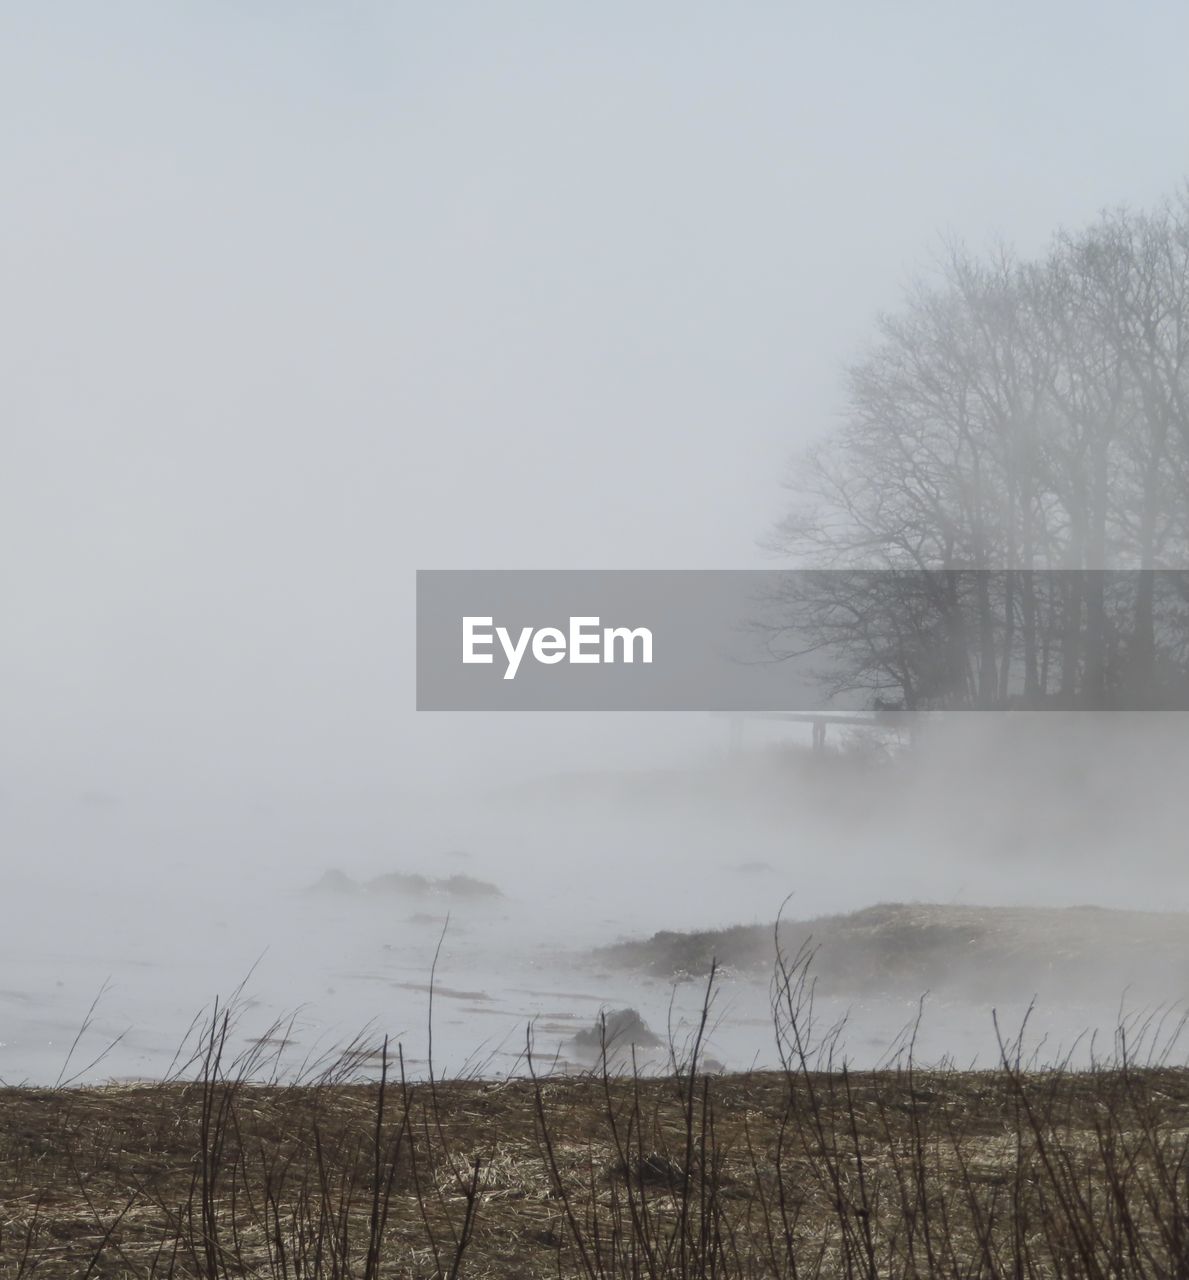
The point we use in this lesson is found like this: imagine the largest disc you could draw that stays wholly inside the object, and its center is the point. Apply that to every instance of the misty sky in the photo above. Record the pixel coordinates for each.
(298, 299)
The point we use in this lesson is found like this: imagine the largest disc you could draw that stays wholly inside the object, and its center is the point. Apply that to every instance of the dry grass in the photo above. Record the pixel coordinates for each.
(809, 1171)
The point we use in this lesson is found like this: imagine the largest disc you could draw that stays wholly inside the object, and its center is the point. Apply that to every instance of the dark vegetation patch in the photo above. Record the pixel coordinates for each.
(911, 948)
(617, 1030)
(406, 884)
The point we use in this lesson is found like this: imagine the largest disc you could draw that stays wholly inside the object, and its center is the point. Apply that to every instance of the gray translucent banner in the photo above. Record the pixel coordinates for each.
(814, 641)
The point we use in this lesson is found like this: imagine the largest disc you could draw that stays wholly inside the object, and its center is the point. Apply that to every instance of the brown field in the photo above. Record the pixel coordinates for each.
(810, 1171)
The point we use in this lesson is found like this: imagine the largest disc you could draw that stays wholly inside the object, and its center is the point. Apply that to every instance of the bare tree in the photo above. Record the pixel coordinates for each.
(1016, 424)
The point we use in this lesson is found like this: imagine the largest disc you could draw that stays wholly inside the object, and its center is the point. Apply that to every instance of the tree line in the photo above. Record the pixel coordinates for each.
(1004, 510)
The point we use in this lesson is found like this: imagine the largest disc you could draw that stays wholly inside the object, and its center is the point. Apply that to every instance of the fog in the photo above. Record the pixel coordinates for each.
(301, 299)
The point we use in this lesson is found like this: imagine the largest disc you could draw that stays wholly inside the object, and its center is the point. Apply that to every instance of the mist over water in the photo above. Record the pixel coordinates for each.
(300, 302)
(164, 905)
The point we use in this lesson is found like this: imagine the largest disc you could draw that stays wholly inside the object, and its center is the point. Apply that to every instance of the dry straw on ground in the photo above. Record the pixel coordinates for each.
(809, 1171)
